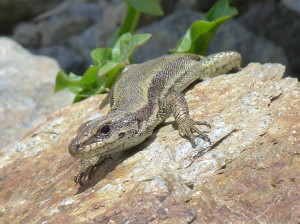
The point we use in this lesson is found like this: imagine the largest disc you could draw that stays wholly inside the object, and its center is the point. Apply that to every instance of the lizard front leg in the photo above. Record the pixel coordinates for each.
(87, 167)
(187, 126)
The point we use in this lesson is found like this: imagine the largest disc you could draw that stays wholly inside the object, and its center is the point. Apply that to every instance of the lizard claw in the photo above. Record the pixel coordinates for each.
(187, 128)
(78, 179)
(87, 168)
(84, 174)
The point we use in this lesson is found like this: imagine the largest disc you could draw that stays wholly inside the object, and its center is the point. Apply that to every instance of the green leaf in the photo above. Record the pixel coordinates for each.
(128, 26)
(90, 76)
(151, 7)
(101, 82)
(220, 9)
(109, 64)
(107, 68)
(120, 56)
(199, 35)
(112, 75)
(85, 93)
(126, 45)
(78, 98)
(70, 82)
(134, 9)
(101, 55)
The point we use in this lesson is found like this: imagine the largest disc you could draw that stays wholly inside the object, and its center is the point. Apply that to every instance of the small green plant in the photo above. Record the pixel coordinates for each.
(108, 62)
(134, 10)
(199, 35)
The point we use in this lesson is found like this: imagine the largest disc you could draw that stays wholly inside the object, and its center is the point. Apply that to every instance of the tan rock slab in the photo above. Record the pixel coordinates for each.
(250, 173)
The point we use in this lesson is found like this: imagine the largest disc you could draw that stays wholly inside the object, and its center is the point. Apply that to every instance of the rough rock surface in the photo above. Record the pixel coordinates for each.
(250, 173)
(26, 87)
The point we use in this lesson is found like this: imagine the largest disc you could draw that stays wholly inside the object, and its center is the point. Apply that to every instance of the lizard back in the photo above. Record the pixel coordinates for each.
(140, 85)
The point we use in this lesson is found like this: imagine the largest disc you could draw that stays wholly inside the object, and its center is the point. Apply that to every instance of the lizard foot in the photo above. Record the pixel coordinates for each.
(84, 174)
(188, 127)
(86, 169)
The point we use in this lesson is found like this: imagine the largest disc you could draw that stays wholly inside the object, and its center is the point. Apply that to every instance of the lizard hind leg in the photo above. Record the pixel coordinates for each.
(187, 126)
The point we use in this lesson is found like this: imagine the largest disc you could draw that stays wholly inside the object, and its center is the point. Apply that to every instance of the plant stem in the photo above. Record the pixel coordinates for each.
(129, 24)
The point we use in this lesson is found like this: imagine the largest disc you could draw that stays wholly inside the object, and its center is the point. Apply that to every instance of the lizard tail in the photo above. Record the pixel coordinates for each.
(221, 63)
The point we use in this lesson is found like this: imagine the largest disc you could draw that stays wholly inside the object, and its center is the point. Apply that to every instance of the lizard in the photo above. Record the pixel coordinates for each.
(143, 96)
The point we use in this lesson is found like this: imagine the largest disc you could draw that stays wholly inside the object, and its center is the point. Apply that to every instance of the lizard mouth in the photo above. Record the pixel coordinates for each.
(78, 151)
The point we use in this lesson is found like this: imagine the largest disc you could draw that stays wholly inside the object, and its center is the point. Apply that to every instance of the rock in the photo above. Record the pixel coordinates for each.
(26, 86)
(165, 34)
(73, 20)
(203, 5)
(83, 44)
(250, 173)
(67, 59)
(105, 28)
(14, 11)
(70, 31)
(27, 35)
(186, 5)
(292, 5)
(82, 25)
(230, 36)
(263, 20)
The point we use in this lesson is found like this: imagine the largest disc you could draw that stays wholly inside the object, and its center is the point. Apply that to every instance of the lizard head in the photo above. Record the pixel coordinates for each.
(105, 135)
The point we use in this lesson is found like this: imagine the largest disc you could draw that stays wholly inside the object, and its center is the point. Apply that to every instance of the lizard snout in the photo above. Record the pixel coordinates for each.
(75, 148)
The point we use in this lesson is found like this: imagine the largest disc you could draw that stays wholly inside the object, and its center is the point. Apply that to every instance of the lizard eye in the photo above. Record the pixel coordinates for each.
(105, 129)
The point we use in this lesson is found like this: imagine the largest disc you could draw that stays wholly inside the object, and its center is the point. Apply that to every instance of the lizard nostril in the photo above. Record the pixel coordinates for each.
(74, 147)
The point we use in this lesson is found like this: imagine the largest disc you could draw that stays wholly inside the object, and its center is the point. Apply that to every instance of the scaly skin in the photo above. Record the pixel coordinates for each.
(143, 97)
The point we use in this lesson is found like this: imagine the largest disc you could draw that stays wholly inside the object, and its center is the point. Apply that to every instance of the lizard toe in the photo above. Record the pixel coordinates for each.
(203, 123)
(86, 169)
(188, 128)
(82, 175)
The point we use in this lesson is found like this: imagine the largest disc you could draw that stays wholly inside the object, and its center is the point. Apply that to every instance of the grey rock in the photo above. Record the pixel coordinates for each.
(281, 25)
(67, 59)
(203, 5)
(15, 11)
(83, 44)
(70, 21)
(167, 6)
(292, 5)
(186, 4)
(70, 31)
(233, 36)
(27, 35)
(165, 34)
(113, 15)
(26, 90)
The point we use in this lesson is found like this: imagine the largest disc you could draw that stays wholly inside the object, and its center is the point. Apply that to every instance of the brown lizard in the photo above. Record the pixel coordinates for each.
(143, 97)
